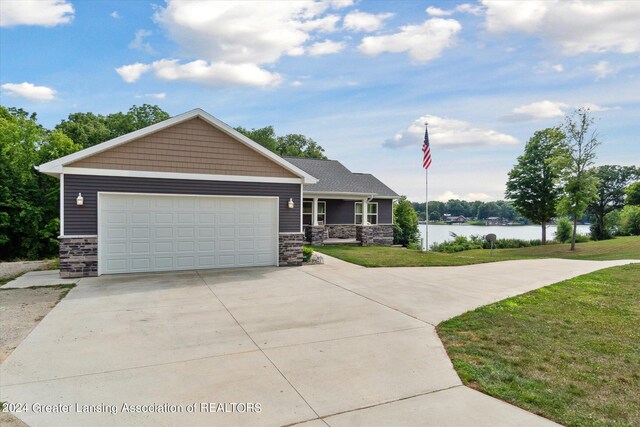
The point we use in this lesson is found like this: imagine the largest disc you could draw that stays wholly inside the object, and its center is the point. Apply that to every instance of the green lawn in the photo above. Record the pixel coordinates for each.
(569, 352)
(377, 256)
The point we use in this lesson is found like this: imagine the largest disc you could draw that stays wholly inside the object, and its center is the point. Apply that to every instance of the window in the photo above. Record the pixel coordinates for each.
(307, 212)
(372, 213)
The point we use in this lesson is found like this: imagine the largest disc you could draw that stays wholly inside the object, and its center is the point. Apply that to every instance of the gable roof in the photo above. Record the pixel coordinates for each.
(55, 167)
(334, 177)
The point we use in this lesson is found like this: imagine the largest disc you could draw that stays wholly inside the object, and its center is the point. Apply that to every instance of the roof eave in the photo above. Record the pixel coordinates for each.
(55, 166)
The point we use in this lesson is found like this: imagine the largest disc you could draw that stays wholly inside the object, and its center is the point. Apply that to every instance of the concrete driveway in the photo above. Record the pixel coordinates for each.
(332, 344)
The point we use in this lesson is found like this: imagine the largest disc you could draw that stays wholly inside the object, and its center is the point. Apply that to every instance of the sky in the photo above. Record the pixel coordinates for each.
(359, 77)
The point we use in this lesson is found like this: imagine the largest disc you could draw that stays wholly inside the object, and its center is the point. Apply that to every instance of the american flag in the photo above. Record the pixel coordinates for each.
(426, 150)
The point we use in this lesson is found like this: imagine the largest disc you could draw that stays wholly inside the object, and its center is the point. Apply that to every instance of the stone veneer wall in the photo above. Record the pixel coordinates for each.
(314, 234)
(375, 235)
(290, 249)
(342, 231)
(78, 256)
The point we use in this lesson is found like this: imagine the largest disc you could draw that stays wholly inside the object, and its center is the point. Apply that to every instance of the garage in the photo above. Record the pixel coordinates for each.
(156, 232)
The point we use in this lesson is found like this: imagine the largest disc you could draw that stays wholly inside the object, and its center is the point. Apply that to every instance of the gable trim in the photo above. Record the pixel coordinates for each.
(177, 175)
(55, 167)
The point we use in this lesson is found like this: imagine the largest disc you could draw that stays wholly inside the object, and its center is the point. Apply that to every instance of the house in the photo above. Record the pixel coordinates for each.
(333, 206)
(454, 219)
(186, 193)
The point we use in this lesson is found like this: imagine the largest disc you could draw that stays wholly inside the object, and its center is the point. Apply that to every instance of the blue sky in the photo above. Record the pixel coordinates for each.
(359, 77)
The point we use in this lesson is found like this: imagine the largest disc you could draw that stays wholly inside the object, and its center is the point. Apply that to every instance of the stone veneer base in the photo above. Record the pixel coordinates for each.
(78, 256)
(290, 249)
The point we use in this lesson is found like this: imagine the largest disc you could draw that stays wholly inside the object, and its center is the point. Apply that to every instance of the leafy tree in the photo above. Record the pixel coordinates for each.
(630, 220)
(88, 129)
(563, 230)
(579, 183)
(612, 181)
(28, 199)
(489, 209)
(293, 144)
(633, 194)
(265, 136)
(532, 185)
(406, 223)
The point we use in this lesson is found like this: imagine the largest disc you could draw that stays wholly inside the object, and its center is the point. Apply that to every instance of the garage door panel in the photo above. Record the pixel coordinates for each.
(140, 233)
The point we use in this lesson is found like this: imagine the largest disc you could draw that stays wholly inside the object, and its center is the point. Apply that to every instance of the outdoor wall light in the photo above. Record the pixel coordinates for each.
(79, 200)
(290, 203)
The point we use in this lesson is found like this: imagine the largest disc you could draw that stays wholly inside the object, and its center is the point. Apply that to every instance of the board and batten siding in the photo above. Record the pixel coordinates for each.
(83, 220)
(193, 146)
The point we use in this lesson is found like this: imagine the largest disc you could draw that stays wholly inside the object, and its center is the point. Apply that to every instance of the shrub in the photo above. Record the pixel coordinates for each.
(307, 252)
(459, 244)
(630, 220)
(564, 230)
(405, 227)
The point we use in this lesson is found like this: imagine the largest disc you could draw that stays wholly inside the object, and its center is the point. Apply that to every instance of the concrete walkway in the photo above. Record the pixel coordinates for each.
(331, 344)
(35, 279)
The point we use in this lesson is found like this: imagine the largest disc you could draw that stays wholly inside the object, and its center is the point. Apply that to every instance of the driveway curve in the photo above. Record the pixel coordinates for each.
(333, 344)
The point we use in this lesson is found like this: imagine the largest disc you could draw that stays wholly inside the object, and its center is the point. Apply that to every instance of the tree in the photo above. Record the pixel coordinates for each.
(532, 185)
(633, 194)
(297, 145)
(293, 144)
(29, 200)
(406, 223)
(579, 184)
(612, 181)
(630, 220)
(489, 209)
(88, 129)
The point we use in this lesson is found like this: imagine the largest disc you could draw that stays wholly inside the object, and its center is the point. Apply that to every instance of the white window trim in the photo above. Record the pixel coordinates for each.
(355, 213)
(319, 203)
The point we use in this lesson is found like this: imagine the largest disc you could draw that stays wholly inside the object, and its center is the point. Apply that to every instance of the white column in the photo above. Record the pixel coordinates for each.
(364, 211)
(315, 211)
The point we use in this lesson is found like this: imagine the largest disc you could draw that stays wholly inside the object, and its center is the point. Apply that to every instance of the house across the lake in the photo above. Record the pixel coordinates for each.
(454, 219)
(192, 193)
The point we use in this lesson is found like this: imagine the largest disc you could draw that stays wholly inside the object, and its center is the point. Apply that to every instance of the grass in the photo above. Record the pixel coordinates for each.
(569, 352)
(379, 256)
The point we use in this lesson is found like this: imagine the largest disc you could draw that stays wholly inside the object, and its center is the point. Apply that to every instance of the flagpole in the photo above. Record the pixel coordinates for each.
(426, 209)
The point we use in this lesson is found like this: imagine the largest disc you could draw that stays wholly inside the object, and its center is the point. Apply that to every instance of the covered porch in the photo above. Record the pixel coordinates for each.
(347, 219)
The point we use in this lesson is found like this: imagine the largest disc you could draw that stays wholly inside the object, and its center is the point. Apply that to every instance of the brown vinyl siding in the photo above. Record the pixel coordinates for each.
(83, 220)
(193, 146)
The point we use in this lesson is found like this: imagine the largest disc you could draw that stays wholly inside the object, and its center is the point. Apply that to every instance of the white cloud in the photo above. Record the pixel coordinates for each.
(29, 91)
(423, 42)
(326, 47)
(215, 74)
(602, 70)
(577, 26)
(296, 83)
(478, 196)
(448, 133)
(596, 107)
(47, 13)
(536, 111)
(232, 41)
(132, 72)
(436, 11)
(340, 4)
(160, 95)
(139, 42)
(558, 68)
(466, 8)
(363, 21)
(240, 32)
(446, 196)
(115, 15)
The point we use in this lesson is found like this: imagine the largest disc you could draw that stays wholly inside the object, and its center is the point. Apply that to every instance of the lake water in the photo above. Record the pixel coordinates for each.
(440, 233)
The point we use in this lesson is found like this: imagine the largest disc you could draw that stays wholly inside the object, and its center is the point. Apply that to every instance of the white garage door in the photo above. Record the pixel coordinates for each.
(140, 233)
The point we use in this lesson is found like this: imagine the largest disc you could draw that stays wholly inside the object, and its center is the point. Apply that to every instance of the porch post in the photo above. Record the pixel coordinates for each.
(315, 211)
(364, 211)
